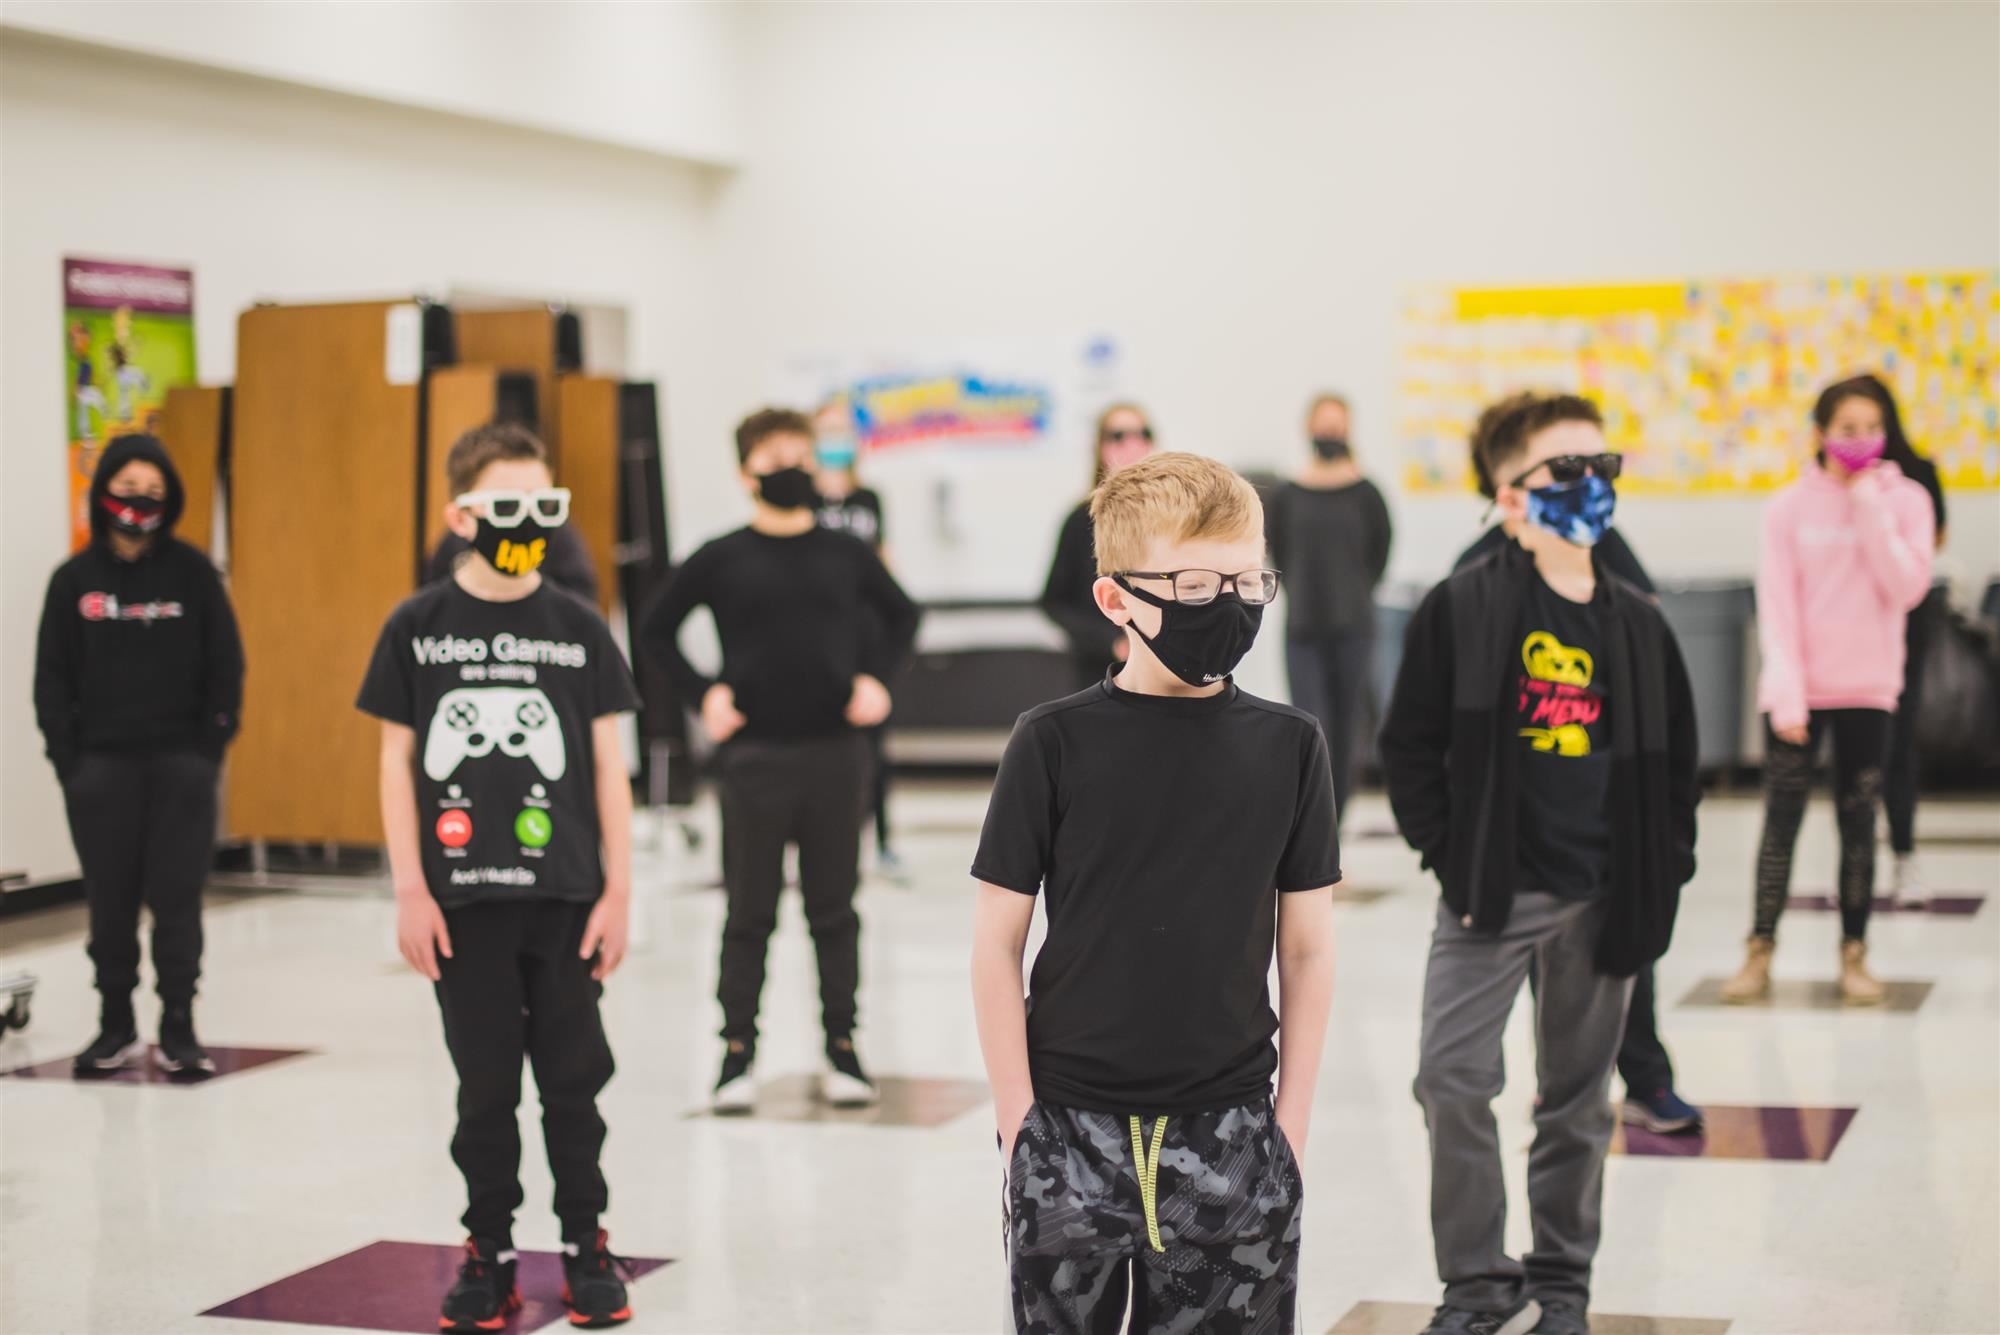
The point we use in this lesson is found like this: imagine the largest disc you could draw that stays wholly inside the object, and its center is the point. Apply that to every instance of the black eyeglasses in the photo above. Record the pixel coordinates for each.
(1118, 435)
(1565, 468)
(1195, 587)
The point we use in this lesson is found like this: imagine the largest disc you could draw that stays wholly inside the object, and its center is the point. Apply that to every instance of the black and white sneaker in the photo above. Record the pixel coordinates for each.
(843, 1083)
(485, 1294)
(117, 1044)
(736, 1088)
(180, 1052)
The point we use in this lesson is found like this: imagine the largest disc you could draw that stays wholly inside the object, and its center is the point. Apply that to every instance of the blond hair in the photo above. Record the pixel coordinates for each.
(1179, 497)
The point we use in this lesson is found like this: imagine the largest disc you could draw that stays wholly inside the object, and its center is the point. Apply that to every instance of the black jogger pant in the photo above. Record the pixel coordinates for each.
(1330, 676)
(815, 794)
(144, 827)
(1860, 744)
(1899, 784)
(513, 989)
(1643, 1063)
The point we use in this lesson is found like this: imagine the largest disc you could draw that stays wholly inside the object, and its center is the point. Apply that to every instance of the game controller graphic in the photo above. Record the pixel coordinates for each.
(472, 720)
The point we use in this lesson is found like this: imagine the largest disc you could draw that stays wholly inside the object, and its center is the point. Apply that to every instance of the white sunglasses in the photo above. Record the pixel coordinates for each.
(507, 508)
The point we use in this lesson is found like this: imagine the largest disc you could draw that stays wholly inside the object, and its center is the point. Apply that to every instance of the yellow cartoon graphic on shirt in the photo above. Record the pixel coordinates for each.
(1556, 704)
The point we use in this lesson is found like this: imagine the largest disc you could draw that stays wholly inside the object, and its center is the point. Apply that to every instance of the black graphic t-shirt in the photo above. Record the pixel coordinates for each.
(502, 697)
(859, 512)
(1562, 714)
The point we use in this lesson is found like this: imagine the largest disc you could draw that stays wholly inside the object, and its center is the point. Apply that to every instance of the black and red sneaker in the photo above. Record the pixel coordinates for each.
(594, 1283)
(484, 1296)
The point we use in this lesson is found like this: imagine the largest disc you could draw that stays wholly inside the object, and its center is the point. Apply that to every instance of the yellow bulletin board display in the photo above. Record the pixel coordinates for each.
(1707, 385)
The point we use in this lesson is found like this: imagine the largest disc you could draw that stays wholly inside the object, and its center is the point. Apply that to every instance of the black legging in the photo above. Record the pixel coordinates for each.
(1899, 787)
(1860, 742)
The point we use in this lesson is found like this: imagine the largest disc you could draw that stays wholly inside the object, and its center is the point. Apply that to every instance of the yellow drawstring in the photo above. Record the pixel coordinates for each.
(1149, 1174)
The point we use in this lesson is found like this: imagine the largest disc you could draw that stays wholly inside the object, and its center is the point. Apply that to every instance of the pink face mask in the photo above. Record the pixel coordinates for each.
(1855, 455)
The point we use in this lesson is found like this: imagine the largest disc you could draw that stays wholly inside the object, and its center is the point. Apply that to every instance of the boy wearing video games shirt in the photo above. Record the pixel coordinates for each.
(508, 809)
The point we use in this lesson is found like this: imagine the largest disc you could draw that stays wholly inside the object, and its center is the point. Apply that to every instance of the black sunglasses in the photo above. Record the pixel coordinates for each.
(1566, 468)
(1116, 435)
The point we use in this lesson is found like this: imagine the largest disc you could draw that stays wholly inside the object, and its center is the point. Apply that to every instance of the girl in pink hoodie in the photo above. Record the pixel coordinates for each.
(1847, 554)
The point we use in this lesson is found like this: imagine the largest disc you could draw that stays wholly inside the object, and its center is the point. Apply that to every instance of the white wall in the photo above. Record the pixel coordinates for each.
(655, 76)
(271, 192)
(1240, 193)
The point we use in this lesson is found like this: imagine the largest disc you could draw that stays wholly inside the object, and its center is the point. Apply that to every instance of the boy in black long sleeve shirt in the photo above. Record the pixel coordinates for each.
(811, 624)
(138, 684)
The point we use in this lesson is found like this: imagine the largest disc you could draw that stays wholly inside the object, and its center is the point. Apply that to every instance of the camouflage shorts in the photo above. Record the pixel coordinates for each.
(1221, 1253)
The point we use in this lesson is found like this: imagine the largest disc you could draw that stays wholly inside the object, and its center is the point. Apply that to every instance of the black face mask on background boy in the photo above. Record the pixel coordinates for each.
(787, 489)
(512, 551)
(1330, 448)
(1200, 643)
(135, 516)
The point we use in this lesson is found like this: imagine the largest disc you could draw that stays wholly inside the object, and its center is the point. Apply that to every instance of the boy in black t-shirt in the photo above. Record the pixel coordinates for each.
(1178, 826)
(811, 625)
(508, 815)
(1539, 752)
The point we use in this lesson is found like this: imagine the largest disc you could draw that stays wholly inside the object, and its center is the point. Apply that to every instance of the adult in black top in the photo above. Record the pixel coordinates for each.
(1330, 533)
(138, 688)
(567, 565)
(1150, 991)
(1124, 436)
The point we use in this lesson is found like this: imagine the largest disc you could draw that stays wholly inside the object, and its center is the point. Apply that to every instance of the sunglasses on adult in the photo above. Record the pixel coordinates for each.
(510, 508)
(1566, 468)
(1119, 435)
(1195, 587)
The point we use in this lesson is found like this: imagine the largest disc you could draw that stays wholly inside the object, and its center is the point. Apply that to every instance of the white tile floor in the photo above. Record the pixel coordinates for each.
(127, 1209)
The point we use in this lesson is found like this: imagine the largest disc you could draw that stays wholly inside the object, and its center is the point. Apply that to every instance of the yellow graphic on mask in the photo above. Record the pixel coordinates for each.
(1549, 659)
(518, 558)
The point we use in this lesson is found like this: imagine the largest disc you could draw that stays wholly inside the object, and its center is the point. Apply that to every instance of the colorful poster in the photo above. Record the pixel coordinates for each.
(128, 336)
(1708, 385)
(978, 449)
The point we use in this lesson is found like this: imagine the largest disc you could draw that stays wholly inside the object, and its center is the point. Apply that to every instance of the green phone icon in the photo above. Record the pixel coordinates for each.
(533, 828)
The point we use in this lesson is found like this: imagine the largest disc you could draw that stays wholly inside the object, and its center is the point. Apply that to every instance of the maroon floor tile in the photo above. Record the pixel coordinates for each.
(1940, 906)
(1785, 1135)
(228, 1062)
(397, 1286)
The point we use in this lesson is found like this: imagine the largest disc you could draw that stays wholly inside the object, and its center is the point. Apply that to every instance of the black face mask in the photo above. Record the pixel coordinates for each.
(1201, 644)
(135, 516)
(1330, 448)
(787, 489)
(512, 551)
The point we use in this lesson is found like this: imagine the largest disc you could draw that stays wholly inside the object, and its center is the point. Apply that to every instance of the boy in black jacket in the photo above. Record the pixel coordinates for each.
(1540, 753)
(138, 684)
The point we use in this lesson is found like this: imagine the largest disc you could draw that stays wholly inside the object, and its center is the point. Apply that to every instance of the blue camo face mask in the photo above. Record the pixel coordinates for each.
(837, 452)
(1578, 512)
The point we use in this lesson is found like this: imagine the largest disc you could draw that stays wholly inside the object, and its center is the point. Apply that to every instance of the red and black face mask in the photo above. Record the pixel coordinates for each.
(138, 516)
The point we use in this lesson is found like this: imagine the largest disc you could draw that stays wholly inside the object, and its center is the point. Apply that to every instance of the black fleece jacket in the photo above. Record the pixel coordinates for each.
(1452, 762)
(138, 655)
(1067, 599)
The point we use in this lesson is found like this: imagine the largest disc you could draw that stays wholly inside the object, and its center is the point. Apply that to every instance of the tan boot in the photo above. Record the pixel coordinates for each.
(1858, 987)
(1753, 981)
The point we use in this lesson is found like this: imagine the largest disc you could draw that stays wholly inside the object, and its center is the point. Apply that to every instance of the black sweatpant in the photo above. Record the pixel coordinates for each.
(513, 989)
(813, 793)
(1643, 1063)
(880, 743)
(144, 827)
(1329, 678)
(1860, 744)
(1899, 782)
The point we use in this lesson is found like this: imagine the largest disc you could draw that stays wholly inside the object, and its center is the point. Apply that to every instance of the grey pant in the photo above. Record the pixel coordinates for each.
(1469, 988)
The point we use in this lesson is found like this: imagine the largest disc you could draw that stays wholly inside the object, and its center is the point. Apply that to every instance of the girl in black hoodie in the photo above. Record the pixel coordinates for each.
(138, 686)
